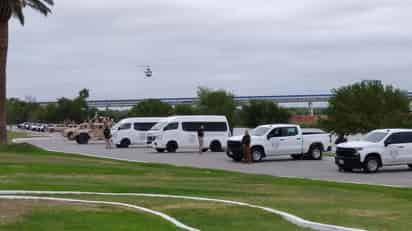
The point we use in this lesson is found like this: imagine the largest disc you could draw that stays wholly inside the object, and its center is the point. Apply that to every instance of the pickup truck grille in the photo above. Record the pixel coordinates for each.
(345, 151)
(234, 146)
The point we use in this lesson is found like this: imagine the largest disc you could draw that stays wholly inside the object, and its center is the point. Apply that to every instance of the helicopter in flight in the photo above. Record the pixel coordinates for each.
(148, 73)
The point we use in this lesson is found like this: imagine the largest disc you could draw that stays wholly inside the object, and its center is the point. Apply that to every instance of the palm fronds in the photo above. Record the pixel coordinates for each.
(16, 7)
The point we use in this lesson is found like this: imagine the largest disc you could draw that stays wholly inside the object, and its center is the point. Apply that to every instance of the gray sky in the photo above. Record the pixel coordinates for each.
(259, 47)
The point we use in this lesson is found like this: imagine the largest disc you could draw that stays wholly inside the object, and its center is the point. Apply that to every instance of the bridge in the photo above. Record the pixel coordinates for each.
(309, 99)
(191, 100)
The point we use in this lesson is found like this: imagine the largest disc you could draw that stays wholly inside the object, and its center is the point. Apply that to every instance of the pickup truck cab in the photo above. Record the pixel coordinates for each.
(281, 139)
(379, 148)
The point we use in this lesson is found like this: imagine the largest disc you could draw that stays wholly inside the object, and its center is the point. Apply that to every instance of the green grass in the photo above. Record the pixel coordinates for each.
(14, 135)
(74, 218)
(23, 167)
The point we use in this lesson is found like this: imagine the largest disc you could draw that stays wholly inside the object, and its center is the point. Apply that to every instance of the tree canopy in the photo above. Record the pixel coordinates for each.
(260, 112)
(367, 105)
(219, 102)
(151, 107)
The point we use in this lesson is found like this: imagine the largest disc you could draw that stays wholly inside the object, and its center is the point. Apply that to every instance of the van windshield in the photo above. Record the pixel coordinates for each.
(259, 131)
(375, 137)
(159, 126)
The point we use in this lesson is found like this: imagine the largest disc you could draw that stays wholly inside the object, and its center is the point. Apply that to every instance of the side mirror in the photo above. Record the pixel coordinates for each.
(268, 137)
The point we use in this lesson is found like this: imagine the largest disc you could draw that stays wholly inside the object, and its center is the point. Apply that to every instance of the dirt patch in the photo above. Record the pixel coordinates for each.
(12, 210)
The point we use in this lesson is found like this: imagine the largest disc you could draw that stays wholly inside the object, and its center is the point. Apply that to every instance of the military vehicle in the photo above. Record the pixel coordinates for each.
(94, 131)
(68, 132)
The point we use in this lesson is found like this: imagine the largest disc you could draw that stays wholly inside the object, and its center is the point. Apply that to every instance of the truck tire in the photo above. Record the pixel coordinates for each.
(82, 138)
(160, 150)
(124, 143)
(316, 152)
(171, 146)
(237, 157)
(215, 146)
(371, 164)
(70, 136)
(257, 154)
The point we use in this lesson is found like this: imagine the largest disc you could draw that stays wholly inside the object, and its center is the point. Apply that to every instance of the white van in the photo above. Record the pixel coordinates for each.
(132, 131)
(180, 132)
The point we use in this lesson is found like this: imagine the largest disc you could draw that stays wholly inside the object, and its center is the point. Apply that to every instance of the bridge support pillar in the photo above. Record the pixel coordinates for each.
(311, 110)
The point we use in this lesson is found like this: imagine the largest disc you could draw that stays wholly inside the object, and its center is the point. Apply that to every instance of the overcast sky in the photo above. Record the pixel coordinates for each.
(260, 47)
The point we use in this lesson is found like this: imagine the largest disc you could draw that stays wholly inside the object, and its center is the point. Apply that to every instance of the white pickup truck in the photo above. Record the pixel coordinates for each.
(281, 139)
(379, 148)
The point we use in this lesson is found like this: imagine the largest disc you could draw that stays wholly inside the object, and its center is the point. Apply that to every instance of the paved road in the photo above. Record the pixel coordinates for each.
(322, 170)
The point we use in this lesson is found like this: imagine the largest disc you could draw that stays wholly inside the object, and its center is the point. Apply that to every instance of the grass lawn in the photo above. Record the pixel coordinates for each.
(14, 135)
(23, 167)
(28, 216)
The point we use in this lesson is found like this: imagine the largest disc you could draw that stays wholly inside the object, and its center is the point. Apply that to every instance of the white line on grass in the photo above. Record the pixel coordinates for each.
(287, 216)
(146, 210)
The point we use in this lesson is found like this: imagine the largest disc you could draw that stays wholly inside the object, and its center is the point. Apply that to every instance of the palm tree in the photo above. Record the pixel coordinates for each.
(9, 8)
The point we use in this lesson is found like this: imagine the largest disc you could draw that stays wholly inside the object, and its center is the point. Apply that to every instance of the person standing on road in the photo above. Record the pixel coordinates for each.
(247, 156)
(107, 136)
(200, 137)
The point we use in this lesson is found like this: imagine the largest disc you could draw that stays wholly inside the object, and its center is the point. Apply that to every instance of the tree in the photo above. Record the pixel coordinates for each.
(365, 106)
(218, 102)
(259, 112)
(185, 109)
(10, 8)
(151, 107)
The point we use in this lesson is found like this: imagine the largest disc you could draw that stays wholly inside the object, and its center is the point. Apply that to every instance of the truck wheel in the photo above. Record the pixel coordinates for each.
(124, 143)
(257, 154)
(237, 157)
(347, 169)
(316, 153)
(371, 164)
(82, 139)
(215, 146)
(160, 150)
(171, 147)
(70, 136)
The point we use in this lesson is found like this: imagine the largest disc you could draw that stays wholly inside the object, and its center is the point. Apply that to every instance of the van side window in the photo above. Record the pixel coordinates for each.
(143, 126)
(171, 126)
(125, 126)
(209, 126)
(191, 126)
(216, 126)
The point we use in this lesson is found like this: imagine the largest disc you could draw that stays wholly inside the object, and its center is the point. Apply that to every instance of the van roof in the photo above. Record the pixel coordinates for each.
(197, 118)
(278, 125)
(142, 119)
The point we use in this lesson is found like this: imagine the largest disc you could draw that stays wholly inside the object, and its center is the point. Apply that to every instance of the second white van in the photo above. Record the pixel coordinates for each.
(132, 131)
(180, 133)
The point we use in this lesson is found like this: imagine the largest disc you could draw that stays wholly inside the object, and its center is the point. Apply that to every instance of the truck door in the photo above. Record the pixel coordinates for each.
(394, 149)
(284, 141)
(401, 147)
(273, 142)
(291, 141)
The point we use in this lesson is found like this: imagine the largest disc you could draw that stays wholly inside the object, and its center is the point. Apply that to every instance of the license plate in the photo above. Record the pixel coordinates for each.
(341, 161)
